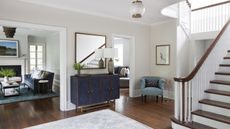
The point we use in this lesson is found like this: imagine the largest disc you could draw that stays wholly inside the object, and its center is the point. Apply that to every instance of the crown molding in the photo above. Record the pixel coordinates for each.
(163, 22)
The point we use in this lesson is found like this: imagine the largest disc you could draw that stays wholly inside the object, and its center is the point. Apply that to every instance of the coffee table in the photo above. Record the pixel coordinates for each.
(10, 89)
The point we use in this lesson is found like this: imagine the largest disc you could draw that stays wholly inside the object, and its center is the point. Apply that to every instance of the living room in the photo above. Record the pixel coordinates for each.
(91, 97)
(33, 52)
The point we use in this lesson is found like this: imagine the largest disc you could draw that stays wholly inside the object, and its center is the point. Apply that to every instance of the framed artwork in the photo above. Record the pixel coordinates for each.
(162, 54)
(8, 48)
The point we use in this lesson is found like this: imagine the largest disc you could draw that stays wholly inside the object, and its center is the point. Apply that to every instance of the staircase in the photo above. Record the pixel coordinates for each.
(202, 98)
(214, 111)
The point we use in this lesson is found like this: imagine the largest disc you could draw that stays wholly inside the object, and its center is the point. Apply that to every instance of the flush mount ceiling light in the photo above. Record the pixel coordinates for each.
(137, 9)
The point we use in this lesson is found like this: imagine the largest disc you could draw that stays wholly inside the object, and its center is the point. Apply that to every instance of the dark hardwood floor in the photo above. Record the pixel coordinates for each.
(25, 114)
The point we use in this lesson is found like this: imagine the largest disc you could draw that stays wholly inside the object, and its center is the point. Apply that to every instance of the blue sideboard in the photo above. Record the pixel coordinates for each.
(93, 89)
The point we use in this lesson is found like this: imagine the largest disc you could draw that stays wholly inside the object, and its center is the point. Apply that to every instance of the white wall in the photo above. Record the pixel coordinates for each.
(76, 22)
(161, 34)
(197, 49)
(53, 56)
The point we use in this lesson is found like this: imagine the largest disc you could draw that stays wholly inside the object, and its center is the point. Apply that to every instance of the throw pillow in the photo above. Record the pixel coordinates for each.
(151, 83)
(127, 72)
(44, 74)
(36, 74)
(123, 72)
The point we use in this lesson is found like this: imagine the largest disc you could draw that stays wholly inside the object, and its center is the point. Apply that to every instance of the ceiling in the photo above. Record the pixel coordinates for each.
(118, 9)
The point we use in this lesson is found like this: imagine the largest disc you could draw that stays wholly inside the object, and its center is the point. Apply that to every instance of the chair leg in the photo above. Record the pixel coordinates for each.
(162, 98)
(142, 98)
(145, 98)
(157, 98)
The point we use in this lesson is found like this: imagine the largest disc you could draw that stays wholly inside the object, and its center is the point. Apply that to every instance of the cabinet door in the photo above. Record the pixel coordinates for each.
(114, 85)
(105, 84)
(83, 91)
(95, 90)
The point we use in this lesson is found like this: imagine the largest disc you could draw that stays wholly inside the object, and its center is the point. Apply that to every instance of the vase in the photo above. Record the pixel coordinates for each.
(78, 72)
(101, 63)
(111, 66)
(6, 79)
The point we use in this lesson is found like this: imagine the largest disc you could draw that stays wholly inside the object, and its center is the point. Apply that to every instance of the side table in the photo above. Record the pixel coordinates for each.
(43, 84)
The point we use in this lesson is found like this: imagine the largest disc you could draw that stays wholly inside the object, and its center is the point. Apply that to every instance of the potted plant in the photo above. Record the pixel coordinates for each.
(6, 73)
(78, 67)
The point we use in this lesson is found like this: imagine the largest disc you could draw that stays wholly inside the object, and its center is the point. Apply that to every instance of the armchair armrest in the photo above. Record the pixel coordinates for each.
(142, 83)
(27, 75)
(162, 84)
(43, 81)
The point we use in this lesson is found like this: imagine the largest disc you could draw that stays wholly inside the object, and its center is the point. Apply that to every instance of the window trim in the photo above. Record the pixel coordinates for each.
(43, 56)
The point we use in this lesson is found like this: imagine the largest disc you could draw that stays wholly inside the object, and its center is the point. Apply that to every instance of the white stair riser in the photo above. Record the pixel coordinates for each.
(220, 98)
(177, 126)
(226, 61)
(222, 77)
(220, 87)
(224, 69)
(214, 109)
(210, 122)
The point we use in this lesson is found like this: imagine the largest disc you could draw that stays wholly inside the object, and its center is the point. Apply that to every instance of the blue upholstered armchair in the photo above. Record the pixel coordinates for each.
(152, 86)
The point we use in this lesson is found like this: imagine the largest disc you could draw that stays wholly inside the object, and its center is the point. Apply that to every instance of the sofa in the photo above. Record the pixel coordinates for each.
(33, 83)
(124, 78)
(153, 86)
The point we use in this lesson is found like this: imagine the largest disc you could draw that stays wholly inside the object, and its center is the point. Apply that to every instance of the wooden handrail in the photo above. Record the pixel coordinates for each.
(203, 58)
(209, 6)
(189, 4)
(91, 53)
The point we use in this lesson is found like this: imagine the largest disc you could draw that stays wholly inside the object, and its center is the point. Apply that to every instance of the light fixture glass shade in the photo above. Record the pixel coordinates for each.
(99, 53)
(137, 9)
(110, 53)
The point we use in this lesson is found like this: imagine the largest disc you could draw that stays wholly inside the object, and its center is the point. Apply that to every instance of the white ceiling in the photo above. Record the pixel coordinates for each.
(118, 9)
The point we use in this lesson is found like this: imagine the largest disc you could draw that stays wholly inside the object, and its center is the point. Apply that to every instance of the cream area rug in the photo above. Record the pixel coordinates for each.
(104, 119)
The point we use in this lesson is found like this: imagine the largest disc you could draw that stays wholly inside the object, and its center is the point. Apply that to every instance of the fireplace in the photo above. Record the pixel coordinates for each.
(16, 68)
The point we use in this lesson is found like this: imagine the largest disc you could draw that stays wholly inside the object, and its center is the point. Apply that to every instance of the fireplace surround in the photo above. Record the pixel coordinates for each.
(17, 69)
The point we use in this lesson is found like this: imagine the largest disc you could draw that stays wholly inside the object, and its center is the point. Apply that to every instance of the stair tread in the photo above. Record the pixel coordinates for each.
(192, 125)
(215, 103)
(227, 57)
(195, 125)
(220, 82)
(213, 116)
(222, 73)
(224, 65)
(219, 92)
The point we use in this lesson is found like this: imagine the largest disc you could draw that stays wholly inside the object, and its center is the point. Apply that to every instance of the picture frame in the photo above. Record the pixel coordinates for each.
(85, 46)
(163, 54)
(9, 48)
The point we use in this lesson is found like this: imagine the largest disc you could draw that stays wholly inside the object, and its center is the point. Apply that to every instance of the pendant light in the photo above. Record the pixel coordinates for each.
(137, 9)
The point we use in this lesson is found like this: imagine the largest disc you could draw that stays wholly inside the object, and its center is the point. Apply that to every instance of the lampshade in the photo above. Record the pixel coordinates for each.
(110, 53)
(137, 9)
(99, 53)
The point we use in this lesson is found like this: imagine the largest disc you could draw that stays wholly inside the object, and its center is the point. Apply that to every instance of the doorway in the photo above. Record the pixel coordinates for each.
(125, 63)
(63, 54)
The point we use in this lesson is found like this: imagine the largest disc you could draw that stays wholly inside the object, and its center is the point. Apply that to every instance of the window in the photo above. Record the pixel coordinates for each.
(36, 57)
(119, 60)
